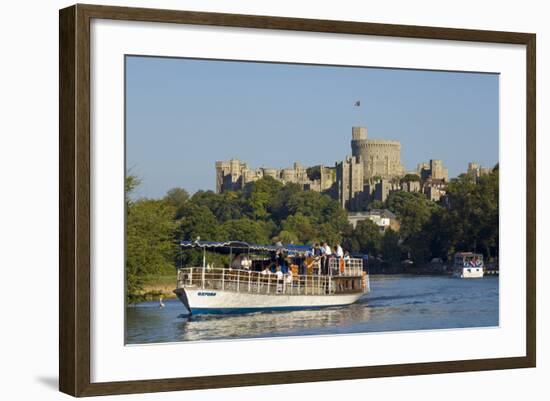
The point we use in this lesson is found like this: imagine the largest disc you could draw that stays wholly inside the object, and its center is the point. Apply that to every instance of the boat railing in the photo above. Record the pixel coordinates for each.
(239, 280)
(345, 267)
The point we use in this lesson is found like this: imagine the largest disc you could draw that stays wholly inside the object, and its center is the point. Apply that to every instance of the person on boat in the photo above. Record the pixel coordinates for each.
(339, 251)
(317, 250)
(339, 254)
(322, 258)
(273, 261)
(289, 263)
(266, 271)
(289, 277)
(282, 261)
(305, 262)
(328, 250)
(236, 262)
(313, 250)
(280, 277)
(316, 255)
(246, 263)
(302, 268)
(327, 255)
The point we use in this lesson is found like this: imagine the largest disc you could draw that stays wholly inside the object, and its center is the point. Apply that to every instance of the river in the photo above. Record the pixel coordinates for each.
(396, 302)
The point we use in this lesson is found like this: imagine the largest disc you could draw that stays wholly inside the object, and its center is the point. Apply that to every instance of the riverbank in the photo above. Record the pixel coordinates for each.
(156, 286)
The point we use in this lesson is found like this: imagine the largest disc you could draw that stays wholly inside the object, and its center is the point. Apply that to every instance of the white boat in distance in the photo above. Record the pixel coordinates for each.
(207, 289)
(468, 265)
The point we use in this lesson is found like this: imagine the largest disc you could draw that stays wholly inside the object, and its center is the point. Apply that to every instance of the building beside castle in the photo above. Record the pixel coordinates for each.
(476, 171)
(350, 183)
(372, 172)
(383, 218)
(433, 170)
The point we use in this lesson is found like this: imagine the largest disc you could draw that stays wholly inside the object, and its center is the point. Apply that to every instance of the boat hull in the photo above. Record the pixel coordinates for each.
(469, 272)
(202, 301)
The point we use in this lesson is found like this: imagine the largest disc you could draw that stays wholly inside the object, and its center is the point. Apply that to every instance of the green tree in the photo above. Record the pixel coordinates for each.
(472, 208)
(376, 204)
(198, 222)
(301, 227)
(177, 197)
(259, 194)
(245, 229)
(286, 237)
(225, 206)
(330, 233)
(334, 215)
(489, 198)
(365, 238)
(150, 248)
(465, 220)
(327, 218)
(410, 178)
(279, 203)
(320, 208)
(413, 210)
(230, 207)
(464, 211)
(390, 248)
(131, 182)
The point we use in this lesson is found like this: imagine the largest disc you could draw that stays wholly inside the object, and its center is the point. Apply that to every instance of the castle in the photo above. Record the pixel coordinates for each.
(371, 172)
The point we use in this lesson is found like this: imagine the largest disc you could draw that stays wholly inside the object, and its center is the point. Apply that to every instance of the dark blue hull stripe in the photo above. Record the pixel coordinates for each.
(220, 311)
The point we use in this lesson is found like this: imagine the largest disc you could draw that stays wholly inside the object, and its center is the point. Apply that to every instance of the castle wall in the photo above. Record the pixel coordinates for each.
(233, 175)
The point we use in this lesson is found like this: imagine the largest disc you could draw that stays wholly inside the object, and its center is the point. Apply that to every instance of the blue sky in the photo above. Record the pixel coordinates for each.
(184, 114)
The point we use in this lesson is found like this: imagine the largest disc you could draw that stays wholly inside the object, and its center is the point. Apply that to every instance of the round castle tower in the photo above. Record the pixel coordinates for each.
(380, 158)
(359, 142)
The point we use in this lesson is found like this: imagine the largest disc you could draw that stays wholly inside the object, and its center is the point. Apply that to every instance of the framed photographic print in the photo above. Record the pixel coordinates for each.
(314, 200)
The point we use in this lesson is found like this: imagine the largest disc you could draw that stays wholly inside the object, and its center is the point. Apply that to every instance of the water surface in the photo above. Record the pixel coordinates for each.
(395, 303)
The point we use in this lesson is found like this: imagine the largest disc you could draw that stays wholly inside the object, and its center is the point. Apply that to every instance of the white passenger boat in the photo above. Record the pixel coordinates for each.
(207, 289)
(468, 265)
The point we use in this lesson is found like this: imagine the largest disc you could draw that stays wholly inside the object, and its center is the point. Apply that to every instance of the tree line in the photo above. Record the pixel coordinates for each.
(267, 211)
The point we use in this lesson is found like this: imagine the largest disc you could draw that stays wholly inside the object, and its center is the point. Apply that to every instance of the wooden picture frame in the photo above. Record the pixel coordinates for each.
(74, 204)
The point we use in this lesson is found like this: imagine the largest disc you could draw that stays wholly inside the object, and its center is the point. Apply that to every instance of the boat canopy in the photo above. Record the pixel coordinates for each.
(468, 254)
(231, 246)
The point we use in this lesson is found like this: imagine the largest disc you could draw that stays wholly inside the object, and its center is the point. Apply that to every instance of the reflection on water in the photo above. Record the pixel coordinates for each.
(263, 324)
(395, 303)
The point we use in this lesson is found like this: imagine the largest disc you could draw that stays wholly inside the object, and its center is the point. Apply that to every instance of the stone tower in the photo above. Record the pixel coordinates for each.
(380, 158)
(359, 143)
(438, 171)
(349, 179)
(229, 175)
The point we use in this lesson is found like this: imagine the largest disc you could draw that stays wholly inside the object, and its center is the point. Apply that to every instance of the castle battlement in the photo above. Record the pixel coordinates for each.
(383, 142)
(234, 174)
